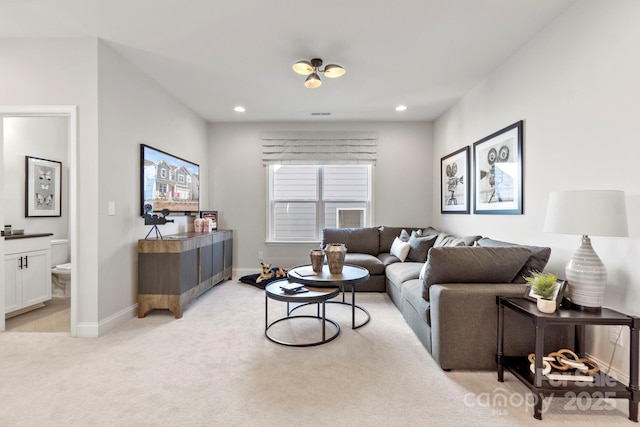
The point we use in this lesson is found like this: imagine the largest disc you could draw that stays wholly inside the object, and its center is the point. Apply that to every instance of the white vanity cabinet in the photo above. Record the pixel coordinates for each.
(27, 269)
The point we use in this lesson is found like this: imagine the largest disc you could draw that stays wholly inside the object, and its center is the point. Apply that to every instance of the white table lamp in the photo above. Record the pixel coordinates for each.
(587, 212)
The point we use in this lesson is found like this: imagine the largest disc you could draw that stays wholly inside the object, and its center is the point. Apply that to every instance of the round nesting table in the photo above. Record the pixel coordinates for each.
(313, 295)
(351, 276)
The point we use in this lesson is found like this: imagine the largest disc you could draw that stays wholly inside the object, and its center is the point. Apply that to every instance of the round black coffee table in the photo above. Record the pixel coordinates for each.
(314, 295)
(351, 276)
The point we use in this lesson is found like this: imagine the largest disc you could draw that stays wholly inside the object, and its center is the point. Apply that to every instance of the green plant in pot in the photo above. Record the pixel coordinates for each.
(544, 285)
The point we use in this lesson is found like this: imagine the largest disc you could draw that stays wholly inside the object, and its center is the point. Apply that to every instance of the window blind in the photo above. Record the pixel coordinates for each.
(316, 147)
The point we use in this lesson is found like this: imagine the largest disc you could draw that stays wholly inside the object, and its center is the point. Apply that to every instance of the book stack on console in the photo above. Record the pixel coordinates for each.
(293, 288)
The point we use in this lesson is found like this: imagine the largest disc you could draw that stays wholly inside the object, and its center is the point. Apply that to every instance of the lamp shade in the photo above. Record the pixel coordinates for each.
(587, 212)
(332, 71)
(313, 81)
(303, 67)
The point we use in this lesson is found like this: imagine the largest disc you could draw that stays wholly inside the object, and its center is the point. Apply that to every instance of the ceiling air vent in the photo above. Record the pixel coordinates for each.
(320, 114)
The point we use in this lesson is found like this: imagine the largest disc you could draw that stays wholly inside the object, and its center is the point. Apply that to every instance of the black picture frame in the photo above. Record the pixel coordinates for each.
(498, 172)
(561, 285)
(454, 182)
(168, 182)
(212, 215)
(43, 187)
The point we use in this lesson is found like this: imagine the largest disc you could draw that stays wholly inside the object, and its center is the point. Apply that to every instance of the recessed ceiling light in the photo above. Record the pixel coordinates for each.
(239, 109)
(401, 108)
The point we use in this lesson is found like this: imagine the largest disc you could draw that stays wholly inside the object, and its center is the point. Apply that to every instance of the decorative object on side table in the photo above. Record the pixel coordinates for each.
(211, 218)
(335, 256)
(587, 212)
(317, 260)
(545, 289)
(153, 219)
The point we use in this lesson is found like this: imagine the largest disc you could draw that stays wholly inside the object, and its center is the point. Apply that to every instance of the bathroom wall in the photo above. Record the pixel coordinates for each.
(42, 137)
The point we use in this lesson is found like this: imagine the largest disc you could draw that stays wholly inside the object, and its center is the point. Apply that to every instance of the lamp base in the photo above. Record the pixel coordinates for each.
(567, 303)
(586, 276)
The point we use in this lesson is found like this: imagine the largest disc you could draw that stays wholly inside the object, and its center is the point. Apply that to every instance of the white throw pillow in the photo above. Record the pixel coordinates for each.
(422, 271)
(400, 249)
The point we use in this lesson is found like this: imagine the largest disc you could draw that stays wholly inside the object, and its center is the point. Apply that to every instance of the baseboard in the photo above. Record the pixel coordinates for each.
(239, 272)
(612, 372)
(96, 329)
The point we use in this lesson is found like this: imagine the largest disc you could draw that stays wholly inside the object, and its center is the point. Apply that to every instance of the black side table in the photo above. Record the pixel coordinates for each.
(604, 386)
(317, 296)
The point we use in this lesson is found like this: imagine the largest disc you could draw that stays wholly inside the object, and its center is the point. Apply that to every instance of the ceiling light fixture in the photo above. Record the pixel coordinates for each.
(239, 109)
(312, 68)
(401, 108)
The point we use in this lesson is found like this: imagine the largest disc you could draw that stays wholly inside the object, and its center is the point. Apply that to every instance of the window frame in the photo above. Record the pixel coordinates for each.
(319, 202)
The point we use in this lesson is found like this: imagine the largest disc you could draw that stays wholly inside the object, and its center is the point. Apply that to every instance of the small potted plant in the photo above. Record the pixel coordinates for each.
(544, 285)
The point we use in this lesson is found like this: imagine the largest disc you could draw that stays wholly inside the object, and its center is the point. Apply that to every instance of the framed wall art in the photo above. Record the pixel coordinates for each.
(212, 215)
(498, 187)
(168, 182)
(454, 182)
(43, 183)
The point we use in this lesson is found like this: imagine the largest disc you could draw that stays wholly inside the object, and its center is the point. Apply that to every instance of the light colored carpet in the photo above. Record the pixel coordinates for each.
(214, 367)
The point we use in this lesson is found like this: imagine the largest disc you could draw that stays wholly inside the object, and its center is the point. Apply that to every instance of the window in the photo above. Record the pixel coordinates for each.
(304, 199)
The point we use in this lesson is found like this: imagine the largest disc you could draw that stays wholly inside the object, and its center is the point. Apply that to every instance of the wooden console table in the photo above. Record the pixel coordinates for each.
(175, 270)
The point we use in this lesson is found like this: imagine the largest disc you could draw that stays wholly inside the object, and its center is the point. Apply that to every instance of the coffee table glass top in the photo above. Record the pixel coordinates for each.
(351, 275)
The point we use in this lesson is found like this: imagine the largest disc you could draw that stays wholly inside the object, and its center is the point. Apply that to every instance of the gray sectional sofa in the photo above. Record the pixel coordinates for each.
(446, 289)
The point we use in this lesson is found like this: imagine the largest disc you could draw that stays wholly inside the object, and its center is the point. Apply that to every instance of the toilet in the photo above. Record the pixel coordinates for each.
(60, 268)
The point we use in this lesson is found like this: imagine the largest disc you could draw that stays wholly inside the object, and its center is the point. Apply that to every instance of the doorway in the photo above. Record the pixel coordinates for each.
(69, 113)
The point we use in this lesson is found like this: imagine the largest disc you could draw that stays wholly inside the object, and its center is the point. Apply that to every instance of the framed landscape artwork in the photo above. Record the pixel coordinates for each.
(168, 182)
(497, 169)
(454, 182)
(43, 179)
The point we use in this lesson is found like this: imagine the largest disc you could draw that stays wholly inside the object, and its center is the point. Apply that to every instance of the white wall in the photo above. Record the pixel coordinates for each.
(576, 87)
(131, 109)
(403, 192)
(43, 137)
(64, 72)
(134, 109)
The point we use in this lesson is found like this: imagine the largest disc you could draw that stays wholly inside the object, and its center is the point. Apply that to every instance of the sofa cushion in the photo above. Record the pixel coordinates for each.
(473, 265)
(412, 295)
(357, 240)
(400, 272)
(536, 262)
(387, 259)
(400, 249)
(388, 234)
(419, 246)
(374, 265)
(446, 239)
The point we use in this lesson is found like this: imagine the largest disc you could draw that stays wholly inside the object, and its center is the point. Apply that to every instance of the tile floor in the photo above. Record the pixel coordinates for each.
(53, 317)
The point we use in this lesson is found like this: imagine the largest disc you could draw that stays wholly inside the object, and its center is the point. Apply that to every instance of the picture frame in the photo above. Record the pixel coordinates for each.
(498, 183)
(43, 184)
(558, 295)
(212, 215)
(454, 182)
(168, 182)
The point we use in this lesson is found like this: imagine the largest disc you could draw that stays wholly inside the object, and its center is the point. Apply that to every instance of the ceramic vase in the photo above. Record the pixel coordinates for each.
(317, 260)
(546, 305)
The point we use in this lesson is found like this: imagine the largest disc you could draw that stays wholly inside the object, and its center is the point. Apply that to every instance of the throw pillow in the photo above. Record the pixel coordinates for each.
(404, 235)
(419, 247)
(472, 265)
(423, 271)
(400, 249)
(446, 239)
(536, 262)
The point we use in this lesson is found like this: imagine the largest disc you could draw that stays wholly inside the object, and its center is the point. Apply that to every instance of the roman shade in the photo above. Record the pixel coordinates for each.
(319, 148)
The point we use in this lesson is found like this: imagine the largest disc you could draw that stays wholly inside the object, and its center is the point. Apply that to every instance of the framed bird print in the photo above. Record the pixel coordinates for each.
(43, 179)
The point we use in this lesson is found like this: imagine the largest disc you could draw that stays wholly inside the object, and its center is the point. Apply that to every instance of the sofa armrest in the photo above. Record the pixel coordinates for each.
(464, 324)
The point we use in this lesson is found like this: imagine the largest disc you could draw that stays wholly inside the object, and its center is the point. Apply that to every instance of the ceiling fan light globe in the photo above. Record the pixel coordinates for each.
(313, 81)
(332, 71)
(303, 67)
